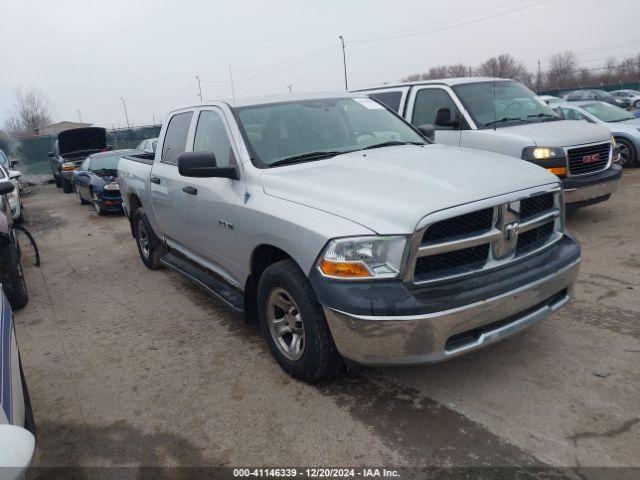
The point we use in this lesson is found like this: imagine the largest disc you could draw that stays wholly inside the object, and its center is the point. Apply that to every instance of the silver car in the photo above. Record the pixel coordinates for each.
(624, 126)
(632, 96)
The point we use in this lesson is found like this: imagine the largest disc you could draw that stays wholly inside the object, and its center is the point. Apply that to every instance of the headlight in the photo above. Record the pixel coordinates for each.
(615, 154)
(363, 257)
(112, 186)
(66, 166)
(551, 158)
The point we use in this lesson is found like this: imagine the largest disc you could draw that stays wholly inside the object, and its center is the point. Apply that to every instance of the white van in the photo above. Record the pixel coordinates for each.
(504, 116)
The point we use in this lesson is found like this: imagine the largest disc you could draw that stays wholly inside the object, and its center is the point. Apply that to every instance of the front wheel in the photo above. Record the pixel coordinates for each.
(12, 276)
(150, 247)
(628, 153)
(67, 186)
(637, 104)
(81, 200)
(294, 324)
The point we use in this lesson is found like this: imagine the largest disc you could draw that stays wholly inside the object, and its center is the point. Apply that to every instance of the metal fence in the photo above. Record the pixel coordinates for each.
(609, 88)
(33, 152)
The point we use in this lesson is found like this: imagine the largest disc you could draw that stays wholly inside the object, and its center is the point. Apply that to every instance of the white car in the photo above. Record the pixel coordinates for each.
(15, 200)
(17, 427)
(633, 96)
(148, 145)
(624, 126)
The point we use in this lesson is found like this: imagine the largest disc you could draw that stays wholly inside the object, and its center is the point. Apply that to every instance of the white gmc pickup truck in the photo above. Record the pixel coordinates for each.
(347, 233)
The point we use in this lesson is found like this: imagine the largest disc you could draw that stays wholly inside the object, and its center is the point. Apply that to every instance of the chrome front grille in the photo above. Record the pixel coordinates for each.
(486, 237)
(588, 159)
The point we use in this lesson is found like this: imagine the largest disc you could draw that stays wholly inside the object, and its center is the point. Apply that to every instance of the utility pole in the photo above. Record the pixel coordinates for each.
(290, 87)
(233, 90)
(199, 88)
(126, 115)
(539, 79)
(153, 115)
(79, 116)
(344, 64)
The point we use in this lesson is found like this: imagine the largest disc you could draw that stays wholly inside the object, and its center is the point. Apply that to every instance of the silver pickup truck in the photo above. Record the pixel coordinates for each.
(347, 233)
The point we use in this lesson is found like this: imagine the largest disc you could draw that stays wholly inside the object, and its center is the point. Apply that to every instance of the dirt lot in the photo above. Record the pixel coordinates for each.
(129, 366)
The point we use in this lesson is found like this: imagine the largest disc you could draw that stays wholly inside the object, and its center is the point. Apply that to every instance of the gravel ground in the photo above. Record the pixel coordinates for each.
(132, 367)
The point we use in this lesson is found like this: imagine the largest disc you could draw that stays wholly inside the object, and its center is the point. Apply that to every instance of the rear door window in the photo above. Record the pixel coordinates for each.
(175, 138)
(391, 99)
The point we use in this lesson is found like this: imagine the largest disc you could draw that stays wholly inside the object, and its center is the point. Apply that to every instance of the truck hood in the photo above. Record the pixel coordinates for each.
(560, 133)
(389, 190)
(79, 139)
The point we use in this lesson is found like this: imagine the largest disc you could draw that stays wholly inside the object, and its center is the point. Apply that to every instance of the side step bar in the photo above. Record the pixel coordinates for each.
(210, 282)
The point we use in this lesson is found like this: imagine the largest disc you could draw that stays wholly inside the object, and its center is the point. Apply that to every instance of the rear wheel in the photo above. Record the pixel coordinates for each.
(12, 276)
(628, 153)
(637, 104)
(294, 324)
(150, 247)
(67, 186)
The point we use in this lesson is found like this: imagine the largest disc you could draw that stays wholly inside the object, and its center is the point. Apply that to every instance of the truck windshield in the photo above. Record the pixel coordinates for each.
(607, 112)
(307, 130)
(510, 104)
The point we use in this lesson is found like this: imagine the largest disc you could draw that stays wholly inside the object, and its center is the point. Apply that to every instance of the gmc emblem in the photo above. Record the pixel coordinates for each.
(591, 158)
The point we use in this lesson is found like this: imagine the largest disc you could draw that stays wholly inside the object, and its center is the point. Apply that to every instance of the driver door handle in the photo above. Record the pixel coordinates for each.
(155, 180)
(190, 190)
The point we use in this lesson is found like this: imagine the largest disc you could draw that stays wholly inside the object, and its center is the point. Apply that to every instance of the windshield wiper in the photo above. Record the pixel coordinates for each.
(508, 119)
(544, 115)
(391, 143)
(305, 157)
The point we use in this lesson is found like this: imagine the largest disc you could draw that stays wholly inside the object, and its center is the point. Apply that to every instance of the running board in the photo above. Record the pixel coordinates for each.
(210, 282)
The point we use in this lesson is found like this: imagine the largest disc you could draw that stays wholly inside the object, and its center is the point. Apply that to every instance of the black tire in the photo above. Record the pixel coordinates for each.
(320, 358)
(630, 159)
(58, 181)
(67, 186)
(151, 254)
(29, 420)
(11, 275)
(637, 104)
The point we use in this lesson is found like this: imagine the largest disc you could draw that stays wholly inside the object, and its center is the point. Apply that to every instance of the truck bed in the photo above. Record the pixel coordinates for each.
(141, 157)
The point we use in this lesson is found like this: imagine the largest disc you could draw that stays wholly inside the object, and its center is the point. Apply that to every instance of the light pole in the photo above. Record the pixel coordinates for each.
(199, 88)
(290, 87)
(79, 115)
(126, 115)
(344, 64)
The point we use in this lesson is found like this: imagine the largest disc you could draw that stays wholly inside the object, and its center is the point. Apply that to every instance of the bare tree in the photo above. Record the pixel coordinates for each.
(562, 70)
(505, 66)
(31, 110)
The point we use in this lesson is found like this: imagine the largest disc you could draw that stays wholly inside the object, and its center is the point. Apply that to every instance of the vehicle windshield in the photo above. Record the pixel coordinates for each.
(104, 162)
(306, 130)
(3, 159)
(503, 104)
(607, 112)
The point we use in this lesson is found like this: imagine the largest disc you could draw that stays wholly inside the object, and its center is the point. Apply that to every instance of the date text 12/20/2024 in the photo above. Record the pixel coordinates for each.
(316, 472)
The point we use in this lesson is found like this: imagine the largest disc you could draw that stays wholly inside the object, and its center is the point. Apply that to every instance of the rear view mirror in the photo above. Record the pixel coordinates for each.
(443, 118)
(203, 165)
(428, 131)
(6, 187)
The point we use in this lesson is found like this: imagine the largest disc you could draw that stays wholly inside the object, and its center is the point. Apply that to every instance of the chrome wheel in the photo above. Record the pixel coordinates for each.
(285, 324)
(625, 154)
(143, 239)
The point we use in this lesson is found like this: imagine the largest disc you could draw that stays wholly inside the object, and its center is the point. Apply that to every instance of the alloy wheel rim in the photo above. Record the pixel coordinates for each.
(285, 324)
(623, 150)
(143, 239)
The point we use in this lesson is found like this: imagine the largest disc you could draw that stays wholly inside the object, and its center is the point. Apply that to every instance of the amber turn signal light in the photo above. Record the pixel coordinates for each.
(344, 269)
(560, 171)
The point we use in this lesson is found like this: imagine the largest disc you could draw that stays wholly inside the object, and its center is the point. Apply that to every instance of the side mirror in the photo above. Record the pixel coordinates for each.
(204, 165)
(52, 154)
(428, 131)
(16, 450)
(6, 187)
(13, 163)
(443, 118)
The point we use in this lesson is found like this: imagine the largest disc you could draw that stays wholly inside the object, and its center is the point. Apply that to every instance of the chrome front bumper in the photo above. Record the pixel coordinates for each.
(583, 194)
(421, 339)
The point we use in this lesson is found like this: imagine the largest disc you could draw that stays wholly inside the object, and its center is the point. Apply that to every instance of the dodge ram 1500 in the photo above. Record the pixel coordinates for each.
(347, 233)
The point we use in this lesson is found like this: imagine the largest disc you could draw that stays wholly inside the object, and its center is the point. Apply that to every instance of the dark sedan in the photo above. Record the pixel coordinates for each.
(96, 181)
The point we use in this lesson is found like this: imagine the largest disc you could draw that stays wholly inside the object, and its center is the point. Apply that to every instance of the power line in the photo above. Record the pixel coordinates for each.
(449, 27)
